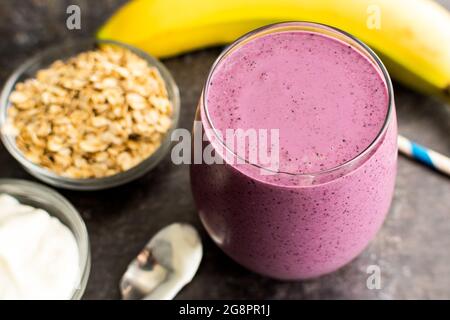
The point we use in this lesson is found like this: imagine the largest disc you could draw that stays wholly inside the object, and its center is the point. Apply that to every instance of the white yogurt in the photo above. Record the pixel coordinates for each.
(38, 254)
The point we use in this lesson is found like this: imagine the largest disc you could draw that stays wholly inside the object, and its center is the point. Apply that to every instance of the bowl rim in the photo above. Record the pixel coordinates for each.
(71, 213)
(47, 175)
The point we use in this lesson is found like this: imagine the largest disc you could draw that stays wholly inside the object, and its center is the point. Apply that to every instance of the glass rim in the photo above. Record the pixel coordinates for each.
(313, 27)
(47, 175)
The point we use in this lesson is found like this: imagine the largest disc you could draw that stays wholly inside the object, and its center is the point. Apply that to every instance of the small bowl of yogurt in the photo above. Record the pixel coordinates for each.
(44, 244)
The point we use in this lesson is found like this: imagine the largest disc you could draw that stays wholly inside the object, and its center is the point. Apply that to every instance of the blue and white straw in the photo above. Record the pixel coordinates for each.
(426, 156)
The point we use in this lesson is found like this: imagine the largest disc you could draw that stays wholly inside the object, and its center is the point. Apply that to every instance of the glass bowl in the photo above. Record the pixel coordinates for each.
(39, 196)
(43, 59)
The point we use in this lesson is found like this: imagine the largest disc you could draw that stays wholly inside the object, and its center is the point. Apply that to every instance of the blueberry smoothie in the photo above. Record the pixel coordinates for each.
(330, 100)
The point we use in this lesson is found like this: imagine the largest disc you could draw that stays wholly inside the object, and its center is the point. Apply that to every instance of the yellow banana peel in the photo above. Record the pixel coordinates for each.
(411, 36)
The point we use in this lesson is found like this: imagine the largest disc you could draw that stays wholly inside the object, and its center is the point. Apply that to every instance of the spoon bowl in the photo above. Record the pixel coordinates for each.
(166, 264)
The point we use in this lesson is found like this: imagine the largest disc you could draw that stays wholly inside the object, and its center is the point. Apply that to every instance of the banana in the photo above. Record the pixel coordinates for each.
(411, 36)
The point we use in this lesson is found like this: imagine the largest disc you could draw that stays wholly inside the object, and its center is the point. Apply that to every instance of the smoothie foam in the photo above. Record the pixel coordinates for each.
(327, 99)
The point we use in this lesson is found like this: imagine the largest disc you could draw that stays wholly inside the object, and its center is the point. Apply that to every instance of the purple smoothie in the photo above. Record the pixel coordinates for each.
(330, 102)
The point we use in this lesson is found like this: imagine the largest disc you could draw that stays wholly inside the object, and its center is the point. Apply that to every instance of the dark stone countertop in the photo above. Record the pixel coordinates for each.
(412, 248)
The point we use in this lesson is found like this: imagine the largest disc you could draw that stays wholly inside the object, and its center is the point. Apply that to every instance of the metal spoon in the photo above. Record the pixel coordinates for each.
(167, 263)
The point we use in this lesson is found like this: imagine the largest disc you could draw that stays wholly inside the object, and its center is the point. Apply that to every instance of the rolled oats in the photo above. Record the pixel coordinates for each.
(97, 114)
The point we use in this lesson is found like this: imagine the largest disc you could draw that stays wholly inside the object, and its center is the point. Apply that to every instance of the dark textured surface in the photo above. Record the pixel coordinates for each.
(412, 249)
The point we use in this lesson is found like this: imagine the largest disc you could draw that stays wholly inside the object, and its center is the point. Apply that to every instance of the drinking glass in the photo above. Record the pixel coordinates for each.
(295, 226)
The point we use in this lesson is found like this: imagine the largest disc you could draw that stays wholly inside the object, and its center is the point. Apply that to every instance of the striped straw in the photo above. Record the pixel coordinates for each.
(428, 157)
